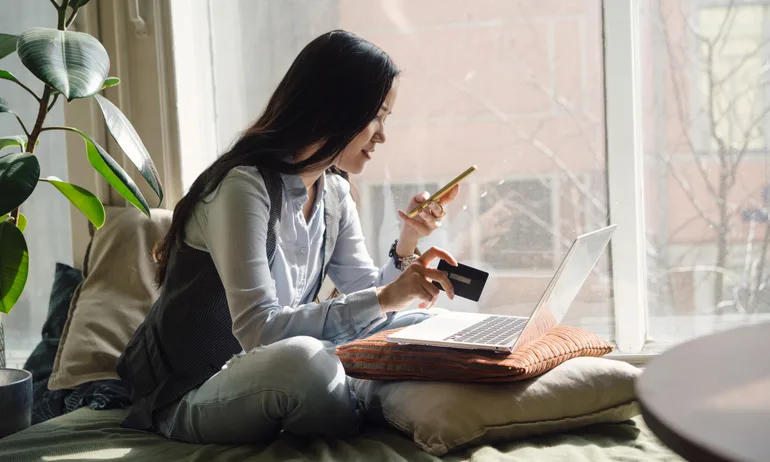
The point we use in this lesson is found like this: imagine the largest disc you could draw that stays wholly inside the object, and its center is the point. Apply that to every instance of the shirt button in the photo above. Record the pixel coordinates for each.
(303, 249)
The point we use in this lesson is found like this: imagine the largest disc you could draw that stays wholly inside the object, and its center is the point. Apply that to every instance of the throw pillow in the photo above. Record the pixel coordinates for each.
(114, 298)
(375, 358)
(40, 362)
(446, 416)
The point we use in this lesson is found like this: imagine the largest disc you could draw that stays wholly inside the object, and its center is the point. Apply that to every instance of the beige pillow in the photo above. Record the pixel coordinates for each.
(113, 299)
(446, 416)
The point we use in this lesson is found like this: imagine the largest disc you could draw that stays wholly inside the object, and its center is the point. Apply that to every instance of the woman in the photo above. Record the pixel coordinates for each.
(247, 251)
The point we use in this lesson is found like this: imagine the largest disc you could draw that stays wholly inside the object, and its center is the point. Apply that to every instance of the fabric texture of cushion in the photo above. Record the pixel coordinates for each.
(375, 358)
(114, 298)
(65, 281)
(445, 416)
(47, 404)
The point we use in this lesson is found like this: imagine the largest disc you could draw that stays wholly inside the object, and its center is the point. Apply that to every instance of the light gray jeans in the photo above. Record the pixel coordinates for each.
(297, 385)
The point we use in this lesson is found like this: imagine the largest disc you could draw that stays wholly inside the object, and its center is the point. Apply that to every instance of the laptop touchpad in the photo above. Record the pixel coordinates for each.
(439, 327)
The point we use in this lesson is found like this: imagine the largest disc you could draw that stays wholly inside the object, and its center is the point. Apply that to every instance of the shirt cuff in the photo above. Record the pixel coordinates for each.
(389, 272)
(363, 312)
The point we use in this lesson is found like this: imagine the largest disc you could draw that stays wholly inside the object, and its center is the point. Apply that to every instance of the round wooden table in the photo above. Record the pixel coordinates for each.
(709, 399)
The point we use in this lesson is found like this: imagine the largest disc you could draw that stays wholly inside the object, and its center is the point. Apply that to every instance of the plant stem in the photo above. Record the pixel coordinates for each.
(53, 103)
(57, 127)
(43, 108)
(72, 18)
(23, 127)
(27, 89)
(33, 136)
(62, 25)
(41, 113)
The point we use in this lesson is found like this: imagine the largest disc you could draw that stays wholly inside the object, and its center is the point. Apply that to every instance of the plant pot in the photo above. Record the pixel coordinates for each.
(15, 401)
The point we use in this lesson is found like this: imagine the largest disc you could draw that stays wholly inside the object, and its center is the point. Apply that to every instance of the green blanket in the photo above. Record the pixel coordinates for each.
(88, 435)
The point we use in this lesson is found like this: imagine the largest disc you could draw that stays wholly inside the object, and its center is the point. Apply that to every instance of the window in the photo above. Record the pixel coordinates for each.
(526, 239)
(706, 165)
(513, 87)
(513, 219)
(733, 53)
(383, 224)
(662, 107)
(48, 235)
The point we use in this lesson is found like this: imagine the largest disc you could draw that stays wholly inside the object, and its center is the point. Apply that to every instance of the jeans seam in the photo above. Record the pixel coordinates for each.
(224, 401)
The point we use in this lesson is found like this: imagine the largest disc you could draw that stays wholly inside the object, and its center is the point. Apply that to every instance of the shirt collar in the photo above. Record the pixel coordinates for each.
(295, 189)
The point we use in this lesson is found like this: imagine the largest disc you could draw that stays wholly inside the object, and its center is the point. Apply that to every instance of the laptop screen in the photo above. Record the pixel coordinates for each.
(566, 283)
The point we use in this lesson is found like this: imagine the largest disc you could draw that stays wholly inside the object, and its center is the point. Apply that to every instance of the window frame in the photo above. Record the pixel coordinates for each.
(625, 171)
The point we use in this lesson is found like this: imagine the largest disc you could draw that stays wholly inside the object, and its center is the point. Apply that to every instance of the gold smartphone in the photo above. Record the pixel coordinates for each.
(441, 192)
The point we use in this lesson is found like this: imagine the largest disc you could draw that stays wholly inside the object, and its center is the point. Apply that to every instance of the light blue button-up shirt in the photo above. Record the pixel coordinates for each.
(267, 304)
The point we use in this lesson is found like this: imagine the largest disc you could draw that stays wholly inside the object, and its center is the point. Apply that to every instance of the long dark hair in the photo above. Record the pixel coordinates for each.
(331, 92)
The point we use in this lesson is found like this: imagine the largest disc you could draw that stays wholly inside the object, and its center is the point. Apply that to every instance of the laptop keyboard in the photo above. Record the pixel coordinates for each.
(494, 330)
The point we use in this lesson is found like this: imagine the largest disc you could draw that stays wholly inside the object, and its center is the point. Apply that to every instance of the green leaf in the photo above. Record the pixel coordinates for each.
(74, 63)
(7, 44)
(18, 178)
(75, 4)
(113, 173)
(124, 134)
(110, 82)
(14, 265)
(22, 220)
(84, 200)
(5, 75)
(18, 140)
(5, 108)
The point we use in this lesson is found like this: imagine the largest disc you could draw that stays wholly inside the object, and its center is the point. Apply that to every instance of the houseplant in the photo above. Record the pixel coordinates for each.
(70, 65)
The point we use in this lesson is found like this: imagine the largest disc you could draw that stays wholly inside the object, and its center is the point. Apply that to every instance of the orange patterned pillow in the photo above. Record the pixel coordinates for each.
(375, 358)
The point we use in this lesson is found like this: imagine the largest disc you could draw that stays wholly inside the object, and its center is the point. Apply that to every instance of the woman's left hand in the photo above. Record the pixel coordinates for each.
(424, 223)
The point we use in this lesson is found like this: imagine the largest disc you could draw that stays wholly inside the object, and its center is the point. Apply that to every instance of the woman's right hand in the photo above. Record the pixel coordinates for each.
(415, 283)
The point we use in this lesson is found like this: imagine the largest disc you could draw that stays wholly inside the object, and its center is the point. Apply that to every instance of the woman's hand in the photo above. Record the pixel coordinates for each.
(424, 223)
(415, 283)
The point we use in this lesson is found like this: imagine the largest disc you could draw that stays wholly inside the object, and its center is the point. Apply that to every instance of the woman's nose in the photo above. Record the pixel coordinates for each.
(379, 136)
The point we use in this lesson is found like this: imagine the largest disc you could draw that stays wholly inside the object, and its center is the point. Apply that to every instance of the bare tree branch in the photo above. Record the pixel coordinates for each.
(743, 62)
(537, 144)
(736, 162)
(680, 111)
(696, 34)
(685, 185)
(731, 105)
(722, 27)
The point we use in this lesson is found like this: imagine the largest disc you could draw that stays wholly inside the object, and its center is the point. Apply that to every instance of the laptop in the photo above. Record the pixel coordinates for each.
(503, 333)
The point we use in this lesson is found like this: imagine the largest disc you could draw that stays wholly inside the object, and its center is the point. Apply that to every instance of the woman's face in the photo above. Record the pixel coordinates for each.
(361, 150)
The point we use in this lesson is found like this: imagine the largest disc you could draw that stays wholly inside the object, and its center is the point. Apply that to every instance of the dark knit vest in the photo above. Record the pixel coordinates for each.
(187, 336)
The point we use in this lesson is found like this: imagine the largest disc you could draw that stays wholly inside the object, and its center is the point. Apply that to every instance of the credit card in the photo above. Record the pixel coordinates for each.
(468, 282)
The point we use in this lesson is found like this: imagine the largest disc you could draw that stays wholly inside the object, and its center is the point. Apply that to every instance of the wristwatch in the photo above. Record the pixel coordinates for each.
(401, 262)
